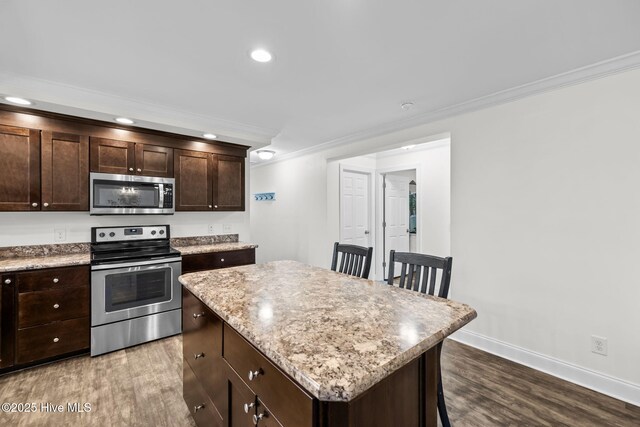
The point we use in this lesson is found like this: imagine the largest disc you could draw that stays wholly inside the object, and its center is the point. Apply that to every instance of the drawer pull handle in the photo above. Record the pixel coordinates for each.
(198, 356)
(254, 374)
(56, 280)
(56, 339)
(7, 281)
(197, 408)
(196, 315)
(257, 418)
(248, 406)
(56, 305)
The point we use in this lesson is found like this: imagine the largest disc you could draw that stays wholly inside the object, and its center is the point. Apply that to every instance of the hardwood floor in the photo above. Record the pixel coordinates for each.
(142, 386)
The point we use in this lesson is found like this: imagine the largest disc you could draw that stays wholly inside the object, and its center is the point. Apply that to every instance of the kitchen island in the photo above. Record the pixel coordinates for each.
(287, 344)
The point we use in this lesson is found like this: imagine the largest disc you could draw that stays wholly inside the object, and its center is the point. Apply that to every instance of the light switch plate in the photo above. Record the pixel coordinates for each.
(59, 235)
(227, 228)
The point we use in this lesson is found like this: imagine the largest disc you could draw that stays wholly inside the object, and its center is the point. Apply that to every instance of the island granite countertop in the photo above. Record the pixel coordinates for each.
(335, 334)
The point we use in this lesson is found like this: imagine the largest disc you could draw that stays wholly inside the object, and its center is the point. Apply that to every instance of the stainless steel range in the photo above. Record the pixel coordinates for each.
(135, 293)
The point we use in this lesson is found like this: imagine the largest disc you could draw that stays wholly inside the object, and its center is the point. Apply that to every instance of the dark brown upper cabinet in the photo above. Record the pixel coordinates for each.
(209, 182)
(129, 158)
(194, 180)
(228, 187)
(19, 169)
(65, 172)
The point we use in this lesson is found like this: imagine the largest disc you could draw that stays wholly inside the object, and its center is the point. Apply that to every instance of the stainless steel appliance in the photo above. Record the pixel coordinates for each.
(135, 293)
(112, 194)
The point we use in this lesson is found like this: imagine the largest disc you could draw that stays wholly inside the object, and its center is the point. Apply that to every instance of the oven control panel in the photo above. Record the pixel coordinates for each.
(124, 234)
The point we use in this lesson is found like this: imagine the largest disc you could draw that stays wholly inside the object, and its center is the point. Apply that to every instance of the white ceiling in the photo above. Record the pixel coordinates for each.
(341, 66)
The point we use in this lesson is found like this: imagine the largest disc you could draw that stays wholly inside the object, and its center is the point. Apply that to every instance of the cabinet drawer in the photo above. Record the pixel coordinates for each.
(53, 278)
(289, 403)
(40, 342)
(213, 260)
(200, 407)
(38, 308)
(202, 347)
(267, 418)
(239, 396)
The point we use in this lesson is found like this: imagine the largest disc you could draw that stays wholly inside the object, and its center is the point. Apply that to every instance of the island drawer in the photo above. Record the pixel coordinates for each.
(213, 260)
(53, 278)
(289, 403)
(200, 407)
(38, 308)
(54, 339)
(202, 347)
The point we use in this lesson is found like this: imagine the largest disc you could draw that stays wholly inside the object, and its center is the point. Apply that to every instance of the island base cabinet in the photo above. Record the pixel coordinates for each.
(200, 406)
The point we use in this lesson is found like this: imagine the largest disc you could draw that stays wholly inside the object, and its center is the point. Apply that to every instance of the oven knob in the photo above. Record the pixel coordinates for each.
(112, 234)
(161, 231)
(101, 234)
(153, 232)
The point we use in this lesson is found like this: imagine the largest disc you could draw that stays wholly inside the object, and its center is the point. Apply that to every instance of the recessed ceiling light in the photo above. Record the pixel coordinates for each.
(261, 55)
(124, 121)
(406, 106)
(265, 154)
(16, 100)
(409, 147)
(209, 136)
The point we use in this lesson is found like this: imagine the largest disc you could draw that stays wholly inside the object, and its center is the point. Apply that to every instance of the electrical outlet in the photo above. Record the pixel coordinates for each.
(60, 235)
(227, 228)
(599, 345)
(212, 229)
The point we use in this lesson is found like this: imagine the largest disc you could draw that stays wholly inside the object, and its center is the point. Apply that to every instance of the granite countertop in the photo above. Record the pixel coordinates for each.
(336, 335)
(16, 258)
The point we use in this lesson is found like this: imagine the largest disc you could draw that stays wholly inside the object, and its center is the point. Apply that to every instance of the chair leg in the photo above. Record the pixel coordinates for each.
(442, 407)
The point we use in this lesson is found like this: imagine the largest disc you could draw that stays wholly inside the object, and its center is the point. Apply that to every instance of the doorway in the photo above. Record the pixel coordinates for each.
(396, 214)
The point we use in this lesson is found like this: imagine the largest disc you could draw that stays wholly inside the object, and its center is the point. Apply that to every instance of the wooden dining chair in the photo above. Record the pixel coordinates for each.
(354, 260)
(419, 272)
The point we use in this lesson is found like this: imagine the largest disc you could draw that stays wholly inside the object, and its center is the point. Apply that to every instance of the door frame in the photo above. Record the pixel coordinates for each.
(372, 205)
(378, 242)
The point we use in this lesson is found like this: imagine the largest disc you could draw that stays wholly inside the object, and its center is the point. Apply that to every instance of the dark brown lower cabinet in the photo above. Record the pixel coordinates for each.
(48, 316)
(212, 260)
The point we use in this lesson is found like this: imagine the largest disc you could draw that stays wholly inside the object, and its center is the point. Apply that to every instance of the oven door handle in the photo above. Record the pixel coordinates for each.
(134, 264)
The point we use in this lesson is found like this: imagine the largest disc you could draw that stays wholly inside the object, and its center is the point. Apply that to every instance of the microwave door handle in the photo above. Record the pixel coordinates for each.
(161, 198)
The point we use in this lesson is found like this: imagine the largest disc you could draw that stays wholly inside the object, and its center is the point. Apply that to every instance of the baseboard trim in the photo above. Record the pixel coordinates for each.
(614, 387)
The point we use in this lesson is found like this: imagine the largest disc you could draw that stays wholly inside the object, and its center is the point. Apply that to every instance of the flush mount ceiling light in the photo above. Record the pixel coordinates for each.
(409, 147)
(261, 55)
(124, 121)
(406, 106)
(209, 136)
(16, 100)
(265, 154)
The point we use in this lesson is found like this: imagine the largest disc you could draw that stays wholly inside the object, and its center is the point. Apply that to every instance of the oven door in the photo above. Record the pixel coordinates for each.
(129, 290)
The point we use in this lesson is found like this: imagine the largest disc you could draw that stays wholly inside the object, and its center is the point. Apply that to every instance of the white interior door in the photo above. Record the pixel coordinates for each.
(354, 208)
(396, 216)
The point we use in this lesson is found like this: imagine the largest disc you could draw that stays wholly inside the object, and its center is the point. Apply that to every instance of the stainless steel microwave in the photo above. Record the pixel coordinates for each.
(112, 194)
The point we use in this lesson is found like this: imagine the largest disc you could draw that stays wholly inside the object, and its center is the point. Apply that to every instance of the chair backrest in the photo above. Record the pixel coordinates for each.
(355, 260)
(418, 272)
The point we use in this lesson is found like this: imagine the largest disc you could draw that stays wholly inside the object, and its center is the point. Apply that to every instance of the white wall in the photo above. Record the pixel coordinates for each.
(36, 228)
(545, 213)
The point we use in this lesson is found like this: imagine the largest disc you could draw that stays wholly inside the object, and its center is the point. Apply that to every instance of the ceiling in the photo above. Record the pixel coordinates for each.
(341, 67)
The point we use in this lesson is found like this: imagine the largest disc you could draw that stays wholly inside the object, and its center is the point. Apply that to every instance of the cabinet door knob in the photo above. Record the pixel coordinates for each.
(56, 280)
(56, 339)
(34, 204)
(56, 305)
(198, 356)
(197, 408)
(254, 374)
(7, 281)
(215, 206)
(248, 406)
(210, 206)
(257, 418)
(221, 259)
(139, 170)
(130, 169)
(45, 204)
(196, 315)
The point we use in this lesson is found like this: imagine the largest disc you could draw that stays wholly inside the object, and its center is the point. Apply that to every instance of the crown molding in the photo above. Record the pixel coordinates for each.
(72, 100)
(579, 75)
